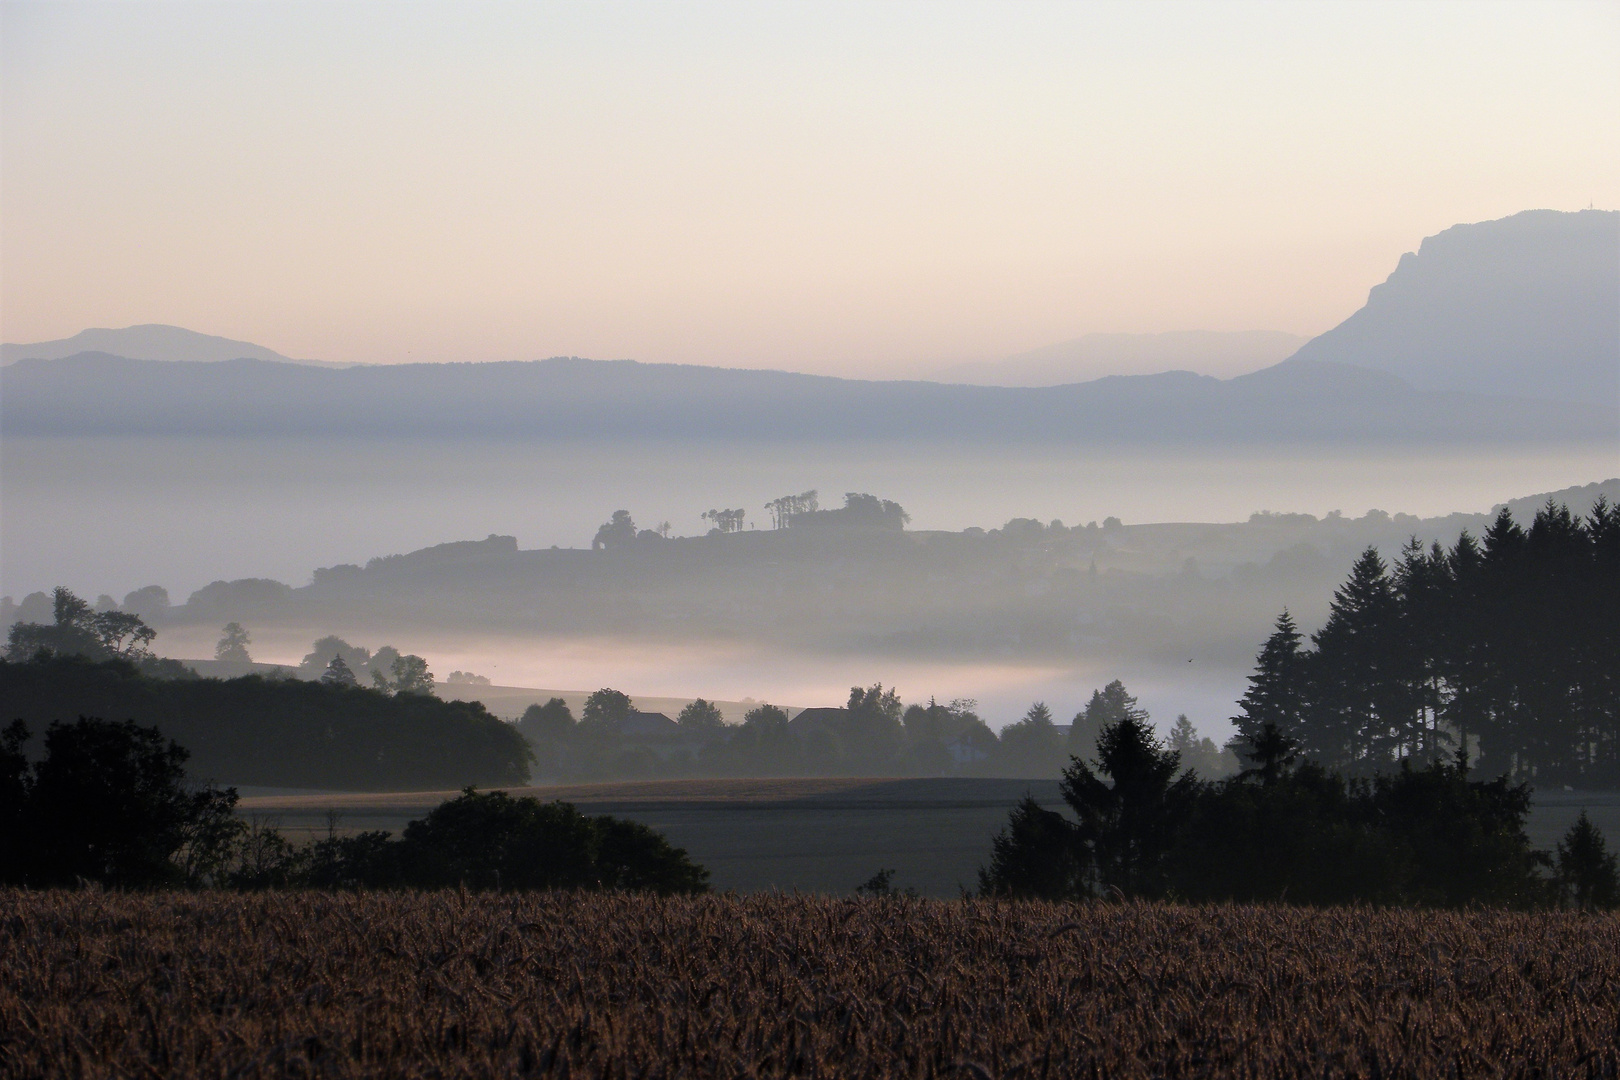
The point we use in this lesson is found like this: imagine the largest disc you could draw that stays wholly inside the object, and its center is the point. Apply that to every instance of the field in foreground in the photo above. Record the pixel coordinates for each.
(217, 985)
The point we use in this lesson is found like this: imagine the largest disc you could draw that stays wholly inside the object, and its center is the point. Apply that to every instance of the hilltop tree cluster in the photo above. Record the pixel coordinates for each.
(81, 630)
(786, 508)
(335, 662)
(1508, 648)
(860, 511)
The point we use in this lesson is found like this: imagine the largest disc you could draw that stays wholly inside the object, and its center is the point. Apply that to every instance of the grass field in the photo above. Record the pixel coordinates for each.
(812, 835)
(601, 985)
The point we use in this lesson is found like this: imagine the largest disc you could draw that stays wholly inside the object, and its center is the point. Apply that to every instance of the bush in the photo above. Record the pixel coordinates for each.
(491, 841)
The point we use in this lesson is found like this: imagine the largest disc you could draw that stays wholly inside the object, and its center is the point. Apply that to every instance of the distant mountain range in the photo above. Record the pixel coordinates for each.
(1095, 356)
(152, 341)
(1501, 331)
(622, 401)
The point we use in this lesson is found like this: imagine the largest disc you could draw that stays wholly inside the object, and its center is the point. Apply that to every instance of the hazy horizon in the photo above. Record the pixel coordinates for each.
(839, 190)
(1006, 194)
(1220, 354)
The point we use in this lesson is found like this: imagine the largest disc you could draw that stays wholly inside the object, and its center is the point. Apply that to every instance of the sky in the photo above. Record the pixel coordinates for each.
(847, 189)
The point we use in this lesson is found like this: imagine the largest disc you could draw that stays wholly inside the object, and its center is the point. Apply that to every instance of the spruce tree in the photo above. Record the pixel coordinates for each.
(1128, 825)
(1422, 585)
(1600, 633)
(1035, 856)
(1586, 871)
(1500, 635)
(1272, 753)
(1552, 591)
(1358, 673)
(1107, 706)
(338, 673)
(1276, 694)
(1462, 658)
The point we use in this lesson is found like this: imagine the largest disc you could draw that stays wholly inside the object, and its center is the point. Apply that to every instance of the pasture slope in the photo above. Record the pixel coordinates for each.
(609, 985)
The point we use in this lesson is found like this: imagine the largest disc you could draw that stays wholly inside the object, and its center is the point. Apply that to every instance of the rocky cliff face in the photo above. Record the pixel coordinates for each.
(1525, 306)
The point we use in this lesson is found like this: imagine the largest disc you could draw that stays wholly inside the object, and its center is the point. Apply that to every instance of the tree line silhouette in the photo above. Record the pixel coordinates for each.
(1507, 647)
(1495, 657)
(873, 734)
(280, 732)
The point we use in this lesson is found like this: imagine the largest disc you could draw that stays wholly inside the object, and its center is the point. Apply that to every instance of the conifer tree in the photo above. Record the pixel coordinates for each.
(1599, 635)
(1035, 856)
(1357, 673)
(1506, 649)
(1586, 870)
(338, 673)
(1499, 636)
(1271, 752)
(1463, 660)
(1276, 694)
(1107, 706)
(1128, 825)
(1422, 585)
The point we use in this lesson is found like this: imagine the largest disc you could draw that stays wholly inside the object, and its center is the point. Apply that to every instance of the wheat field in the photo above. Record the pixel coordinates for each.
(603, 985)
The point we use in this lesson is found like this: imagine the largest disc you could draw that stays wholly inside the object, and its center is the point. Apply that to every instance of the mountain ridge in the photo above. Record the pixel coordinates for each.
(1222, 354)
(629, 400)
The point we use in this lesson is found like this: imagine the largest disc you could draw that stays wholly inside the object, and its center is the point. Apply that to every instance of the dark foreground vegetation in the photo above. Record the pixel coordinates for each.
(1359, 785)
(1281, 831)
(569, 984)
(107, 805)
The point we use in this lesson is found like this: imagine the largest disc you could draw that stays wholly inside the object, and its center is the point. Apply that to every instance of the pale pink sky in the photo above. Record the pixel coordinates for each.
(842, 188)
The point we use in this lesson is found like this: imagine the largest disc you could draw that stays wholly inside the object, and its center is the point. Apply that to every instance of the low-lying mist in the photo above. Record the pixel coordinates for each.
(988, 594)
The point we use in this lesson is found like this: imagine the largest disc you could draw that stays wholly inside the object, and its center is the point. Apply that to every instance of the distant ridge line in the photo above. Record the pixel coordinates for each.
(569, 398)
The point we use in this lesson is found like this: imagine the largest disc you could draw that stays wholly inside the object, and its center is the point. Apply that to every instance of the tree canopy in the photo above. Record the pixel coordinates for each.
(1509, 649)
(233, 643)
(281, 732)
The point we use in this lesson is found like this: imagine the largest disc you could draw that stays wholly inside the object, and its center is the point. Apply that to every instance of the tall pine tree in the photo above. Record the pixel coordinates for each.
(1276, 693)
(1422, 584)
(1358, 674)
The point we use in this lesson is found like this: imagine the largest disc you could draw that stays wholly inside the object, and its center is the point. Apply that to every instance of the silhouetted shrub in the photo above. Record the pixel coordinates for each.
(106, 803)
(492, 841)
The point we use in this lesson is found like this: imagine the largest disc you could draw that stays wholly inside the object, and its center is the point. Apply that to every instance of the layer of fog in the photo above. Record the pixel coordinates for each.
(737, 672)
(111, 515)
(105, 515)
